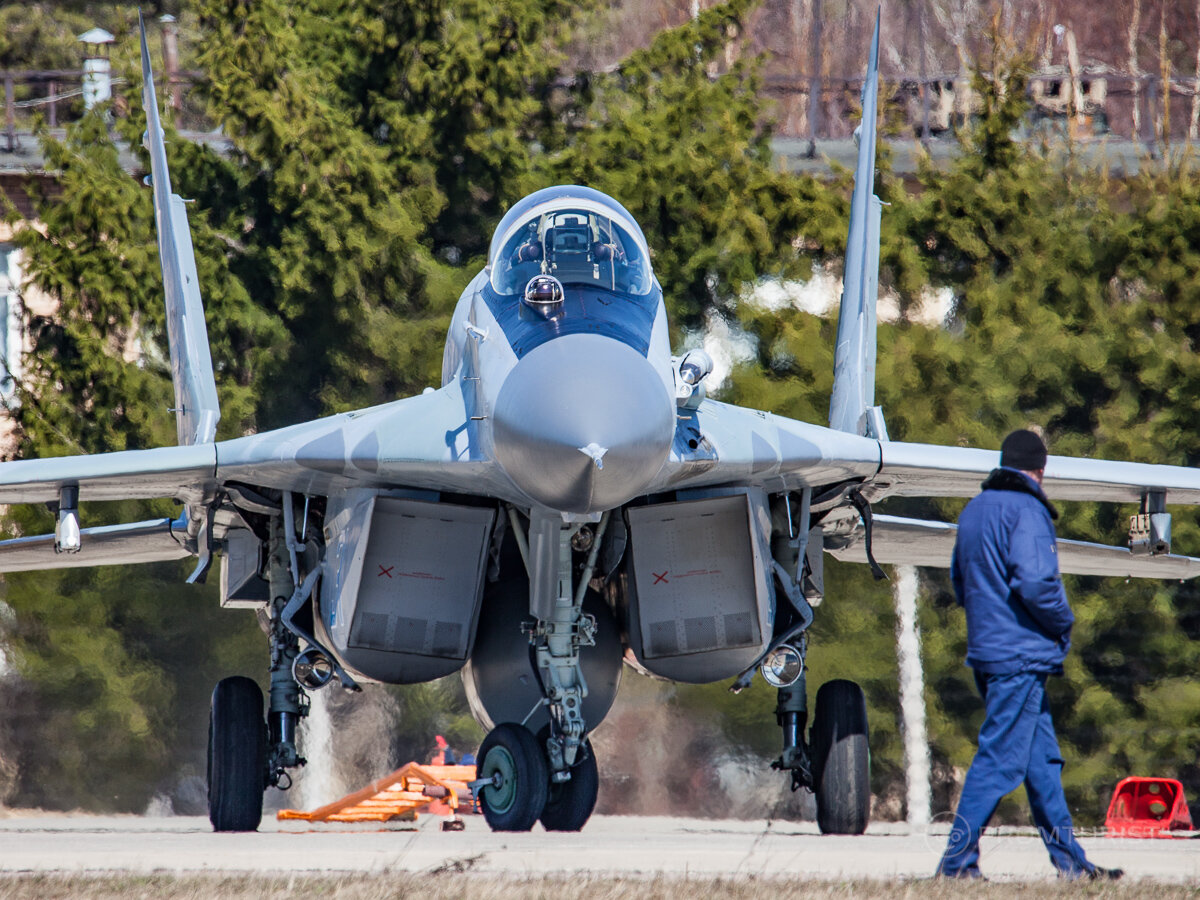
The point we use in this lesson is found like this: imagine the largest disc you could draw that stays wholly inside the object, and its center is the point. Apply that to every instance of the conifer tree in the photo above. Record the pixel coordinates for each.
(375, 145)
(686, 149)
(116, 662)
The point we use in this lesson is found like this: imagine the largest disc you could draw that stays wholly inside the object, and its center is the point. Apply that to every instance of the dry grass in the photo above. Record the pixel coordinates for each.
(459, 886)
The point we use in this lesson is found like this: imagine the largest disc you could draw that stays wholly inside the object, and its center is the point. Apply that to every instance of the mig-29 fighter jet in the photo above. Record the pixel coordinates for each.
(566, 502)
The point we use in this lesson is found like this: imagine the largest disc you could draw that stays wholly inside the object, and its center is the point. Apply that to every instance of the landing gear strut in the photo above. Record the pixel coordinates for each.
(246, 755)
(791, 713)
(835, 763)
(285, 710)
(509, 789)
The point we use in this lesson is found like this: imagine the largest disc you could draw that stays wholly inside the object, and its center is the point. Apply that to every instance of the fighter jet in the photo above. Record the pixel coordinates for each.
(568, 501)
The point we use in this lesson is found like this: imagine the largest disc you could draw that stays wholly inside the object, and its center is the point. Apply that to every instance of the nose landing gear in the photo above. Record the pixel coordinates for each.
(569, 803)
(515, 787)
(514, 779)
(553, 777)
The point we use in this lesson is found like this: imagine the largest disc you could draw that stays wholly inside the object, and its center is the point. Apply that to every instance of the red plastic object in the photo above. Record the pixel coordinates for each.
(1147, 808)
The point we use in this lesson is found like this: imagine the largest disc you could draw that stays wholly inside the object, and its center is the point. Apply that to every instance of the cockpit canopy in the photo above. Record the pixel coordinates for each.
(578, 235)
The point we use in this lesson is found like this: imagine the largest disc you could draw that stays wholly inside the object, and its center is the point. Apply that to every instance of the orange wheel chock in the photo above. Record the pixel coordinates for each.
(437, 789)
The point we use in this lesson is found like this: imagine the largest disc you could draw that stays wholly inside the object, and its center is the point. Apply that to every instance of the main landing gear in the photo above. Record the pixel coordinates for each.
(835, 764)
(843, 770)
(237, 755)
(552, 777)
(247, 754)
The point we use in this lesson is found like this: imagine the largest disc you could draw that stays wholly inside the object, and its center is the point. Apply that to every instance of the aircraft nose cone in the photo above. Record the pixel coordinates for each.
(583, 423)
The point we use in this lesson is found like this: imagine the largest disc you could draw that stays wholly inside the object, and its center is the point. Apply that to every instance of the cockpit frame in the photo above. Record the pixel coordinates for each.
(576, 234)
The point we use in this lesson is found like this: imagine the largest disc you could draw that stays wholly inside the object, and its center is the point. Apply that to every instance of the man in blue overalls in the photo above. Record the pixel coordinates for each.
(1005, 574)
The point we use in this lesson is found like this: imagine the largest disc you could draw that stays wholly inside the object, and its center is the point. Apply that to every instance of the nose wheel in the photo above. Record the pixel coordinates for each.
(514, 787)
(513, 778)
(570, 803)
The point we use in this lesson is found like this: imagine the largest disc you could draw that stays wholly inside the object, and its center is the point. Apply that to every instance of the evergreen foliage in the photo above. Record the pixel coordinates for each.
(1061, 279)
(44, 35)
(683, 146)
(376, 144)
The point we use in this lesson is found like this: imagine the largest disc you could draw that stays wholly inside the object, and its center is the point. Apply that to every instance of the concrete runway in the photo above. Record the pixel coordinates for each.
(610, 845)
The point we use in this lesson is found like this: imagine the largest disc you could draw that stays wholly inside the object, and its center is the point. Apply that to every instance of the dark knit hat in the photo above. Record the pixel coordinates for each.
(1023, 450)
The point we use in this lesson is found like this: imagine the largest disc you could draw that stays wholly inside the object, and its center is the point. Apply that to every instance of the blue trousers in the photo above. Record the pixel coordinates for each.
(1016, 744)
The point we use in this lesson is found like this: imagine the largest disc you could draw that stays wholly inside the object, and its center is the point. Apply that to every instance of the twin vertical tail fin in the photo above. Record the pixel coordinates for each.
(196, 407)
(851, 405)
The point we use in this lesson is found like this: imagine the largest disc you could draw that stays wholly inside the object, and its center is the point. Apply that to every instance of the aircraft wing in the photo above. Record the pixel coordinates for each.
(424, 441)
(186, 473)
(429, 441)
(917, 542)
(926, 470)
(745, 445)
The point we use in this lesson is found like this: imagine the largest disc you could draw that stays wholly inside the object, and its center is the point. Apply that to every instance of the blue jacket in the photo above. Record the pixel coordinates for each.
(1005, 573)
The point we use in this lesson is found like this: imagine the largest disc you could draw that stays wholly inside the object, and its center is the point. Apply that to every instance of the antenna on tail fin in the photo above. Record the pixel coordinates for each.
(196, 407)
(852, 403)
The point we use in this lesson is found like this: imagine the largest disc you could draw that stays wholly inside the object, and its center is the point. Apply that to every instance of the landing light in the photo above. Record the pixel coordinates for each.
(312, 669)
(783, 666)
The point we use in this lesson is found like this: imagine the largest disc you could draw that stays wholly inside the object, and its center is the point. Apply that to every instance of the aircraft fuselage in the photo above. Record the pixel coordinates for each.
(575, 404)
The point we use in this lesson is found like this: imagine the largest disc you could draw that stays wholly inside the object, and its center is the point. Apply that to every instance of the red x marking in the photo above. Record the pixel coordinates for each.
(660, 578)
(385, 570)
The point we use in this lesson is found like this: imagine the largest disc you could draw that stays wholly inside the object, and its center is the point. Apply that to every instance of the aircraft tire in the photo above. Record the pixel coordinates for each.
(842, 758)
(569, 805)
(512, 751)
(237, 755)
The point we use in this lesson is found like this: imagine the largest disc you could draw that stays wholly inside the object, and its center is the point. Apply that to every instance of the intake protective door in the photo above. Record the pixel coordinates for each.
(700, 600)
(400, 599)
